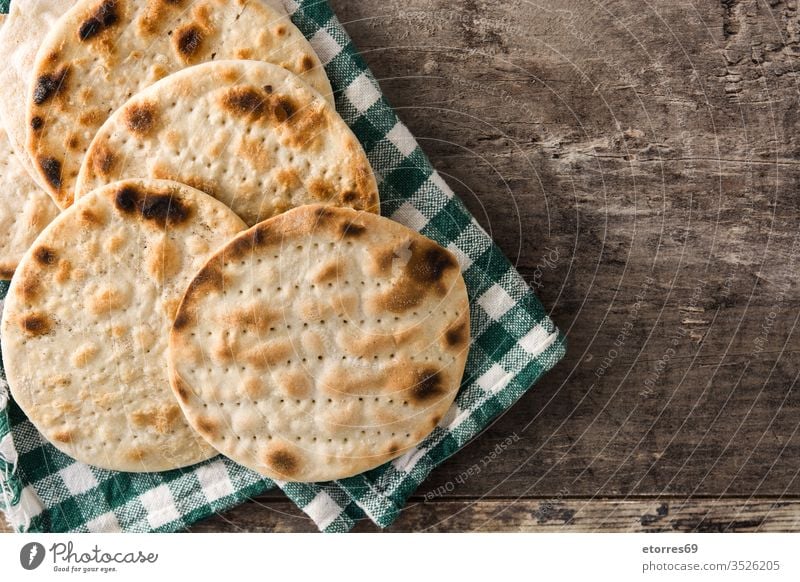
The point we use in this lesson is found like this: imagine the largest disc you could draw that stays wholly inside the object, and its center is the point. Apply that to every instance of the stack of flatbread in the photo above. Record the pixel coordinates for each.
(198, 262)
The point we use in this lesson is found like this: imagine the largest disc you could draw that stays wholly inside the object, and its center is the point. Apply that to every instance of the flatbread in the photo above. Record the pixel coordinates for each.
(86, 322)
(249, 133)
(321, 343)
(26, 25)
(102, 52)
(25, 209)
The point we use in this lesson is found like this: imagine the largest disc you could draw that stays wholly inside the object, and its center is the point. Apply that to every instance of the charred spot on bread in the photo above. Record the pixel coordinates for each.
(210, 277)
(45, 256)
(352, 230)
(163, 209)
(103, 18)
(140, 118)
(283, 462)
(49, 84)
(188, 41)
(429, 384)
(36, 324)
(245, 101)
(429, 263)
(51, 168)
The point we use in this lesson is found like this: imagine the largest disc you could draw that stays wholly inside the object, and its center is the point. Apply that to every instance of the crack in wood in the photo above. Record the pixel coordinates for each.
(730, 20)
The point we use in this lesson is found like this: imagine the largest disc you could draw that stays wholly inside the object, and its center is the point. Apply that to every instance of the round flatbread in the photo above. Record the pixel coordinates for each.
(87, 318)
(26, 25)
(249, 133)
(102, 52)
(25, 209)
(321, 343)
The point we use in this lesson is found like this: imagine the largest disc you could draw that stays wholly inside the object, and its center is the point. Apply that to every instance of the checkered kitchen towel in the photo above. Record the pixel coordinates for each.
(514, 343)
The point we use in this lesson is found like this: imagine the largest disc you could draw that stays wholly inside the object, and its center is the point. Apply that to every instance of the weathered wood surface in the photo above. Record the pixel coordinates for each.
(539, 515)
(658, 514)
(616, 149)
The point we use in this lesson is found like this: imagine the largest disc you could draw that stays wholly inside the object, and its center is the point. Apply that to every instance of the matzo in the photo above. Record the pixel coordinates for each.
(102, 52)
(22, 34)
(249, 133)
(25, 209)
(321, 343)
(86, 322)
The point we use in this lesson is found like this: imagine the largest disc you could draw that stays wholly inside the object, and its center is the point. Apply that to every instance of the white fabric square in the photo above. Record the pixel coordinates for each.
(451, 416)
(323, 509)
(362, 93)
(402, 139)
(463, 260)
(78, 478)
(325, 46)
(214, 480)
(537, 340)
(495, 379)
(410, 217)
(289, 6)
(160, 506)
(495, 301)
(408, 461)
(438, 181)
(104, 523)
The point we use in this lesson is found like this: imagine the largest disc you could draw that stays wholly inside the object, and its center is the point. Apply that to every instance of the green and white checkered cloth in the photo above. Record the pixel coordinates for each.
(514, 343)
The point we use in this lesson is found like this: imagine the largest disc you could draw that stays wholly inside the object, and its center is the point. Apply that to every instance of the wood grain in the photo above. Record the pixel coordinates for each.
(539, 515)
(640, 163)
(654, 148)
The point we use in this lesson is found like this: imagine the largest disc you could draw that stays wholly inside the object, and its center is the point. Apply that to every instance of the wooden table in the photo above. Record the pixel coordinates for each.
(640, 162)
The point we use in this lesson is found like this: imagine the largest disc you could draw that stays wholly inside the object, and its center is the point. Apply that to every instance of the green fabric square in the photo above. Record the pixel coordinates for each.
(114, 492)
(66, 515)
(379, 117)
(391, 199)
(495, 341)
(39, 463)
(367, 134)
(318, 12)
(343, 66)
(450, 221)
(476, 280)
(493, 265)
(517, 322)
(406, 178)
